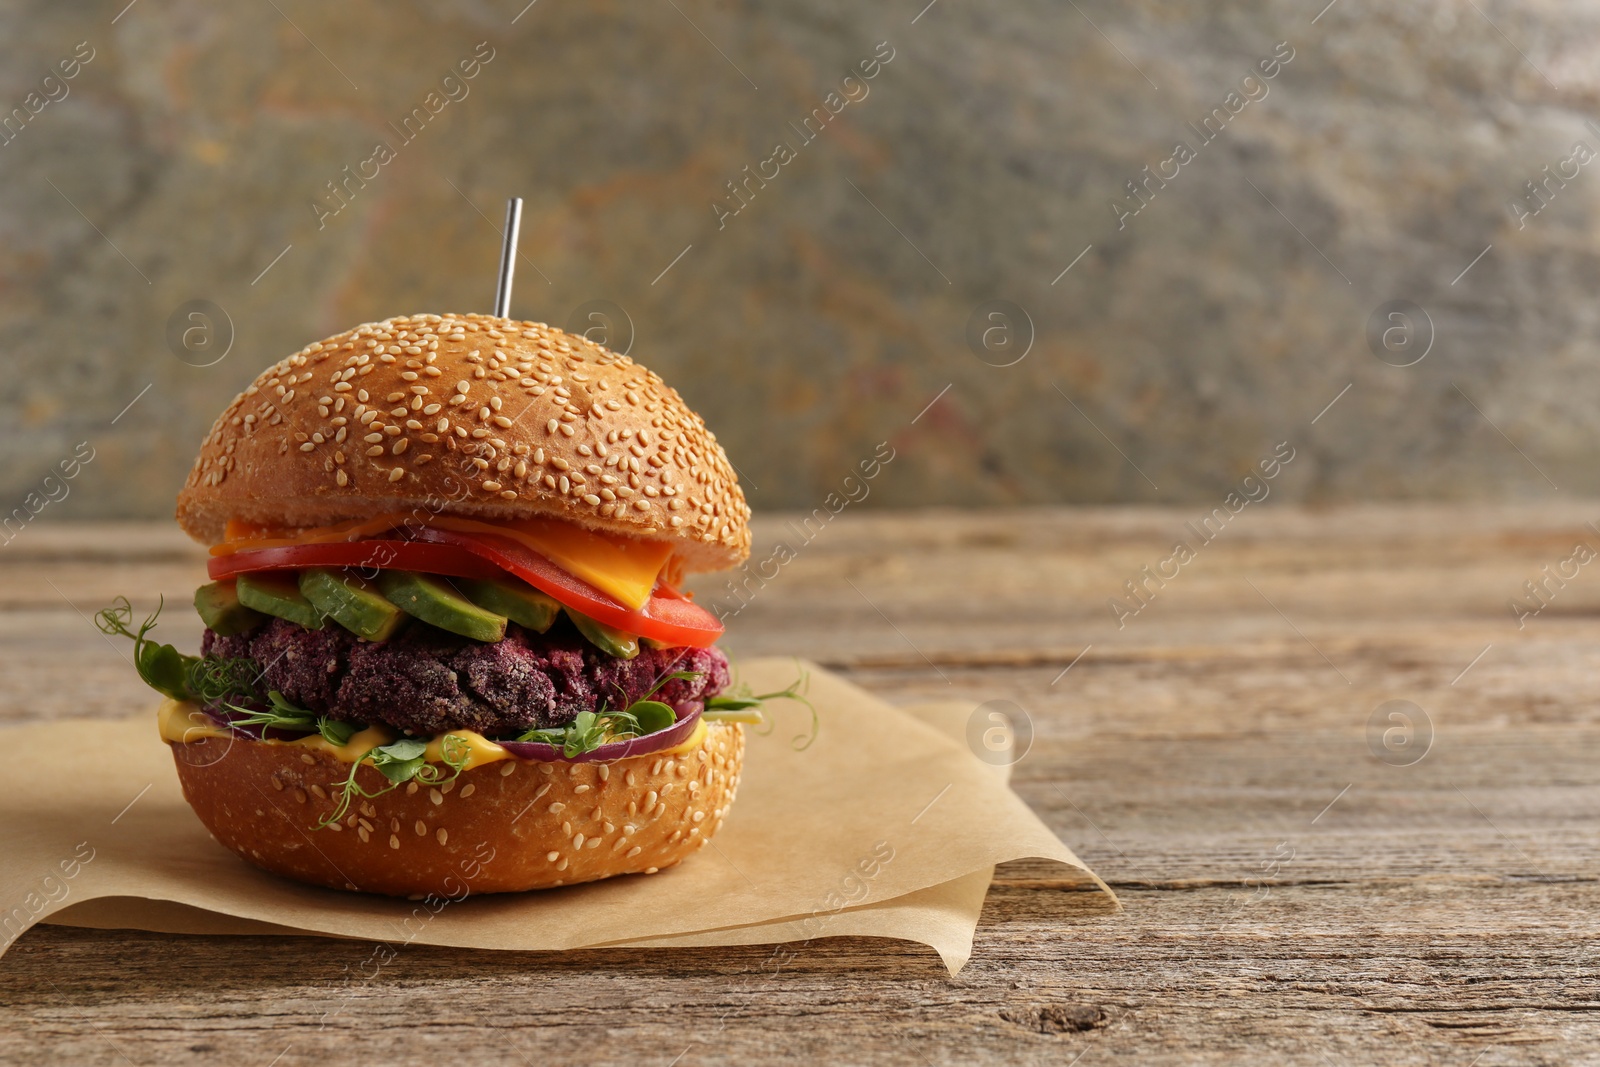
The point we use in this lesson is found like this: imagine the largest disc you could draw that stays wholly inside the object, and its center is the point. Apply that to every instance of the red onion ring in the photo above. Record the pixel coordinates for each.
(672, 736)
(535, 751)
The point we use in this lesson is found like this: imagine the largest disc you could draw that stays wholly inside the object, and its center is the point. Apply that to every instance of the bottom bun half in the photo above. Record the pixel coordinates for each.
(500, 827)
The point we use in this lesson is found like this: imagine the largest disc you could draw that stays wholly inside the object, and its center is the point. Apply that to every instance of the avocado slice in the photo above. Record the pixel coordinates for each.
(516, 600)
(352, 602)
(277, 593)
(218, 604)
(434, 602)
(611, 641)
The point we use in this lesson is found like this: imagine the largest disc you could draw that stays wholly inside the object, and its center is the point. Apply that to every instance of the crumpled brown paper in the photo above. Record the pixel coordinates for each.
(886, 826)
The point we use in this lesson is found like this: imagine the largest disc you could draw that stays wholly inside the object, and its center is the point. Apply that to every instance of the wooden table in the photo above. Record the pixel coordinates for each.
(1294, 894)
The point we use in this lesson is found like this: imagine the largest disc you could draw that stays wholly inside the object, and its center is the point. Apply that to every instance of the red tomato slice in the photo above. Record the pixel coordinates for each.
(667, 617)
(372, 555)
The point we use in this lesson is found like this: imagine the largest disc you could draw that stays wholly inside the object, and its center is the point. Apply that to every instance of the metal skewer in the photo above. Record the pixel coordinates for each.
(508, 258)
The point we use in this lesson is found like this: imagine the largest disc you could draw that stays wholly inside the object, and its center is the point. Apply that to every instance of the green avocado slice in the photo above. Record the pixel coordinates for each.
(218, 605)
(277, 593)
(434, 602)
(611, 641)
(516, 600)
(352, 602)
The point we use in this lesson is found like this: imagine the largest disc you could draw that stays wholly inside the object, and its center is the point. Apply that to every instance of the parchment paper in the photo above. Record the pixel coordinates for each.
(886, 826)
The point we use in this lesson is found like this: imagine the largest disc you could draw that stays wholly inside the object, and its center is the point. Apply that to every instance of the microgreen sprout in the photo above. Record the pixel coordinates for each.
(740, 705)
(399, 762)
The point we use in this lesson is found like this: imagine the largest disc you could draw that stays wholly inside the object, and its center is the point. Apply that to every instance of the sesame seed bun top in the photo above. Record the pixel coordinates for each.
(469, 415)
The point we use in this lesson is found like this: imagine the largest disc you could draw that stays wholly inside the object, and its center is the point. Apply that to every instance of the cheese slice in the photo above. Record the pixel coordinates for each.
(243, 537)
(623, 568)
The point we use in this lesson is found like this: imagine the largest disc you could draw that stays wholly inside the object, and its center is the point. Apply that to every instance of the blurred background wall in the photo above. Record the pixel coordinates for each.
(1159, 341)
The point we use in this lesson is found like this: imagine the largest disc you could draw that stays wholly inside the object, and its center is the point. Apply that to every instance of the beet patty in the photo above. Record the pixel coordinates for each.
(427, 681)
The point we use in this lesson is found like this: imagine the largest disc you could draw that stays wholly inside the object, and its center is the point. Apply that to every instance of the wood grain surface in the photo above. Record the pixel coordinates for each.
(1300, 888)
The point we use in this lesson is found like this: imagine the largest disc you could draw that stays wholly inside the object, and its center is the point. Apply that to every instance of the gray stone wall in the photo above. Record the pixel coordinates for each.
(1207, 317)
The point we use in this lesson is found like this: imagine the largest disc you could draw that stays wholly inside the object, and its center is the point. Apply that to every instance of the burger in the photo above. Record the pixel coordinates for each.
(446, 645)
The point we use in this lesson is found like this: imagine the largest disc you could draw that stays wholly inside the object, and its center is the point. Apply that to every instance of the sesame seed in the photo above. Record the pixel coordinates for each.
(436, 796)
(577, 842)
(394, 840)
(442, 835)
(604, 772)
(466, 791)
(580, 789)
(556, 808)
(363, 834)
(278, 785)
(421, 828)
(634, 851)
(552, 856)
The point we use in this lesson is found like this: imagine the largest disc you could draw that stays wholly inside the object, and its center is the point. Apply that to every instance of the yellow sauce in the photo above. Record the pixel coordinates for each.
(182, 722)
(697, 735)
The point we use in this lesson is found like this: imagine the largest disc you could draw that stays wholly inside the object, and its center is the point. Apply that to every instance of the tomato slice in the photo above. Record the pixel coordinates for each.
(374, 555)
(667, 617)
